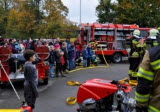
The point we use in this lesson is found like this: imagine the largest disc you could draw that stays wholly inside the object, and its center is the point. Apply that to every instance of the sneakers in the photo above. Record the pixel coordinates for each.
(66, 72)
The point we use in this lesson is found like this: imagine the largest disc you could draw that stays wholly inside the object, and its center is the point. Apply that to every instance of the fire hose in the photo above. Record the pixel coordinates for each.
(72, 100)
(104, 57)
(107, 65)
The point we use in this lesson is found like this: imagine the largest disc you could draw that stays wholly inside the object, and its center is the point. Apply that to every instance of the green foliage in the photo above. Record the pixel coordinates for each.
(145, 13)
(34, 18)
(105, 11)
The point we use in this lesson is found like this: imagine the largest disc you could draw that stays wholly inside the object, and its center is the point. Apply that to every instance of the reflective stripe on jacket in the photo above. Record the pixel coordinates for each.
(148, 88)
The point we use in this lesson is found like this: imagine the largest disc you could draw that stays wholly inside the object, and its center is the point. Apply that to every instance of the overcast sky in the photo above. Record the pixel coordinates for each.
(88, 10)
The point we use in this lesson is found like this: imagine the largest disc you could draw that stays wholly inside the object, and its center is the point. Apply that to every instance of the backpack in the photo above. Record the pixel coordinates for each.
(62, 60)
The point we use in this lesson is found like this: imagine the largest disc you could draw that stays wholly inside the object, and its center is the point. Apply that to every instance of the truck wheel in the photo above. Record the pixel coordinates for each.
(117, 58)
(102, 60)
(3, 85)
(45, 80)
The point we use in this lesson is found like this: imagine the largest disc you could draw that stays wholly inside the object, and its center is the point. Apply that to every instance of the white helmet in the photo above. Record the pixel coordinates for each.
(153, 33)
(136, 32)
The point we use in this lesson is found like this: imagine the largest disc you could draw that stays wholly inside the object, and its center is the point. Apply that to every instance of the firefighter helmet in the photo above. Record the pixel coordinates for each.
(136, 32)
(153, 33)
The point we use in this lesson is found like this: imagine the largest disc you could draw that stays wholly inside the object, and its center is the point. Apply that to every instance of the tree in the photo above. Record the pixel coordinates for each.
(55, 16)
(20, 20)
(69, 29)
(34, 18)
(145, 13)
(2, 21)
(142, 12)
(4, 10)
(105, 11)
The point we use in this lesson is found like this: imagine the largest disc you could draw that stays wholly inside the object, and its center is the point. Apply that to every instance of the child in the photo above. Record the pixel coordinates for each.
(94, 59)
(51, 61)
(31, 79)
(85, 56)
(64, 49)
(89, 49)
(59, 60)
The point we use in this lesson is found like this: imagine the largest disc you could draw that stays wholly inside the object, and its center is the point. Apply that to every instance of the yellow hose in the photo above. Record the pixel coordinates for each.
(71, 100)
(130, 82)
(104, 57)
(11, 110)
(73, 83)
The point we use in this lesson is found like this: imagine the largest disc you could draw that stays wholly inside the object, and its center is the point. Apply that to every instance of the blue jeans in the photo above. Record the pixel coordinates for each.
(51, 69)
(74, 64)
(71, 64)
(84, 62)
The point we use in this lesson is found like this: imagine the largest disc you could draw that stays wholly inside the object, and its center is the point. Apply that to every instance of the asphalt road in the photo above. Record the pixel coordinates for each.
(52, 97)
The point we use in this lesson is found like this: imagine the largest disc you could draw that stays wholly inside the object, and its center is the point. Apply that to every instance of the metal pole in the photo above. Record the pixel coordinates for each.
(80, 12)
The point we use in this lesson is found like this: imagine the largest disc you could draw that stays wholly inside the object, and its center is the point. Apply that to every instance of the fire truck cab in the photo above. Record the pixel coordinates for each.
(110, 39)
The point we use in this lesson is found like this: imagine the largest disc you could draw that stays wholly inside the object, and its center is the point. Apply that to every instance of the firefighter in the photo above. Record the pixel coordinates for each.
(136, 53)
(147, 93)
(93, 45)
(151, 40)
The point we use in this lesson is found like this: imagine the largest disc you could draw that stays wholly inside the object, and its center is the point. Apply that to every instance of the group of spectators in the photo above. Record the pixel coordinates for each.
(64, 54)
(67, 55)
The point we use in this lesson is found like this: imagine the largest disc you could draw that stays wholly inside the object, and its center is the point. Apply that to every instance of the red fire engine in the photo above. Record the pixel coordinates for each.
(110, 38)
(12, 64)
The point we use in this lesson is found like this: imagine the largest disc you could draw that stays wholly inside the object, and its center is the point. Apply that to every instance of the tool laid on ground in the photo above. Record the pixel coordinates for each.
(71, 100)
(73, 83)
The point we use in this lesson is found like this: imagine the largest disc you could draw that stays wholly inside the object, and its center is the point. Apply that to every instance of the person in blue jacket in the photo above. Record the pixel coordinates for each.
(89, 49)
(68, 43)
(85, 55)
(71, 56)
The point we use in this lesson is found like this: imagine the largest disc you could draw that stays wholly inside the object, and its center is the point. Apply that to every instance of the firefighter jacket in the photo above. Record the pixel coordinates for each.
(137, 48)
(148, 89)
(151, 43)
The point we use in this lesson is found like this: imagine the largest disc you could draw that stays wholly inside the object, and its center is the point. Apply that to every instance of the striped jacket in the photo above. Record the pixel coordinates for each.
(148, 88)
